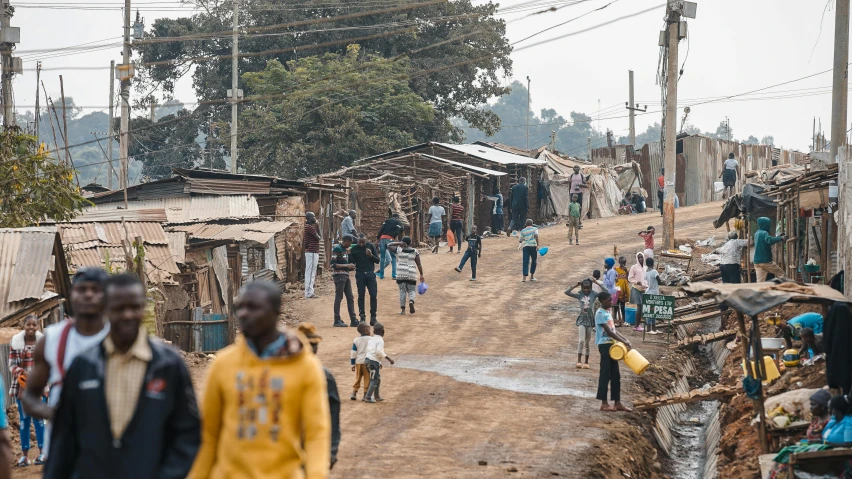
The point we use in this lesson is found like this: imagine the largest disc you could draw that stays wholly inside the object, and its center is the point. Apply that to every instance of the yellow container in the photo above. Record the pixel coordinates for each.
(769, 365)
(636, 361)
(617, 351)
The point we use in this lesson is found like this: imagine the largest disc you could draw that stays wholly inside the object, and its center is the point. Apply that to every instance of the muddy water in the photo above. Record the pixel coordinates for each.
(532, 376)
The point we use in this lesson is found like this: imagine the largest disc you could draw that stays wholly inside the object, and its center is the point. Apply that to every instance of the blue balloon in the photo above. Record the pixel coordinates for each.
(543, 251)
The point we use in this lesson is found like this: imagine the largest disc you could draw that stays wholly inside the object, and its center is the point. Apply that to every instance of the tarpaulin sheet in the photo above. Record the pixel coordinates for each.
(756, 204)
(754, 298)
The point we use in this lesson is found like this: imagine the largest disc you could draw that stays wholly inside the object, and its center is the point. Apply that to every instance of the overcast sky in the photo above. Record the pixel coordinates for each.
(734, 47)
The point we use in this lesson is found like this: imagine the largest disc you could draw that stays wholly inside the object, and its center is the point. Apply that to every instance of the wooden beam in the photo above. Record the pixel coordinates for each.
(715, 392)
(706, 338)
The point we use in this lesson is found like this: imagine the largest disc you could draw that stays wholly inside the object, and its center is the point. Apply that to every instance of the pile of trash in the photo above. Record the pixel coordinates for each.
(673, 276)
(713, 259)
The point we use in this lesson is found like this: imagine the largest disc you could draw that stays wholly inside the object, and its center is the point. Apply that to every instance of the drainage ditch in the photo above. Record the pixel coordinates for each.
(689, 433)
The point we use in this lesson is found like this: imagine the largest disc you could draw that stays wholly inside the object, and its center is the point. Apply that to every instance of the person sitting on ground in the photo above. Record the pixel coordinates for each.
(473, 252)
(653, 287)
(638, 203)
(811, 344)
(605, 336)
(310, 331)
(625, 207)
(21, 362)
(585, 320)
(408, 266)
(819, 418)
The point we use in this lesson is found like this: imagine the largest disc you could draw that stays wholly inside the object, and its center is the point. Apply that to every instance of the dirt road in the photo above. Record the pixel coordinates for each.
(484, 384)
(485, 369)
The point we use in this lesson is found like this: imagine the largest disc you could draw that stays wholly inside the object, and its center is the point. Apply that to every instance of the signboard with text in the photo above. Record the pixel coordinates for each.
(658, 307)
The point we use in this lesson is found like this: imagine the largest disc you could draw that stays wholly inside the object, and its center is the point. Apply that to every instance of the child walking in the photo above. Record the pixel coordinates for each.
(573, 220)
(375, 354)
(407, 267)
(473, 251)
(585, 320)
(648, 236)
(605, 336)
(653, 287)
(358, 358)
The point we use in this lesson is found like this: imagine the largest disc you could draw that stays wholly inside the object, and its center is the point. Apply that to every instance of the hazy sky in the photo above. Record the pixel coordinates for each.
(734, 47)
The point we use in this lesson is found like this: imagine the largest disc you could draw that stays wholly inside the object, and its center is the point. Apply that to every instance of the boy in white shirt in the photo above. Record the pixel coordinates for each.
(357, 357)
(375, 354)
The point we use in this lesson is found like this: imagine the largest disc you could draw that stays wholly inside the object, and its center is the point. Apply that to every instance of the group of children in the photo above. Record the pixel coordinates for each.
(368, 351)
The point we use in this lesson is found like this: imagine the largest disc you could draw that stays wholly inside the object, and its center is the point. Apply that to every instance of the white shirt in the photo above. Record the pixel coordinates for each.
(731, 251)
(74, 345)
(376, 349)
(359, 349)
(347, 227)
(437, 212)
(731, 164)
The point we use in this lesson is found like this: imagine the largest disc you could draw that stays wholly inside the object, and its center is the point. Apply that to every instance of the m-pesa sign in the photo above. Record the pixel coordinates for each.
(656, 306)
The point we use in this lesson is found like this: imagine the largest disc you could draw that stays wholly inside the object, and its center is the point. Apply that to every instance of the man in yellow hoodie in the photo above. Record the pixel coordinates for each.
(265, 410)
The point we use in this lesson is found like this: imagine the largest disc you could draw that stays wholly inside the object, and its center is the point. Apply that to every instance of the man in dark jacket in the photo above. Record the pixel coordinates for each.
(390, 229)
(127, 407)
(364, 256)
(520, 205)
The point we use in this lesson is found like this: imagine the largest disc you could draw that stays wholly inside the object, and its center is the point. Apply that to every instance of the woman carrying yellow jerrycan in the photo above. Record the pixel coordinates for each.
(605, 337)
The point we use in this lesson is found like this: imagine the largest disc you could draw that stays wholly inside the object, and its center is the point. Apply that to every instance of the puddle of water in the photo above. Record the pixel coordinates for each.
(532, 376)
(689, 451)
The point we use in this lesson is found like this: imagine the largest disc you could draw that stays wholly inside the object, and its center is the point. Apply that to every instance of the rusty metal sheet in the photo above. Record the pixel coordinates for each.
(151, 233)
(261, 231)
(185, 209)
(155, 215)
(220, 267)
(35, 259)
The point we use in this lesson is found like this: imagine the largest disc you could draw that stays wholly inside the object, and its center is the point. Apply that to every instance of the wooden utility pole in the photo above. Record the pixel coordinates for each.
(6, 47)
(528, 113)
(630, 108)
(840, 83)
(37, 97)
(126, 75)
(553, 140)
(110, 130)
(235, 82)
(670, 161)
(64, 119)
(589, 146)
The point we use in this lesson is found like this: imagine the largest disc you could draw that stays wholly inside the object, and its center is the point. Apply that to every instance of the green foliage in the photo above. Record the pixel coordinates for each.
(34, 187)
(452, 92)
(166, 144)
(359, 112)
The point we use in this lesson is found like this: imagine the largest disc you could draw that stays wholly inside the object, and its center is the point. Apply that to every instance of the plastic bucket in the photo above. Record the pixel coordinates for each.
(630, 315)
(617, 351)
(635, 361)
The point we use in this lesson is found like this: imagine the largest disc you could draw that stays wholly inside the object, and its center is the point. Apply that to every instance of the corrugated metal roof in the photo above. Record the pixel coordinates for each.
(156, 215)
(491, 154)
(464, 166)
(185, 209)
(261, 231)
(215, 186)
(26, 256)
(83, 235)
(177, 245)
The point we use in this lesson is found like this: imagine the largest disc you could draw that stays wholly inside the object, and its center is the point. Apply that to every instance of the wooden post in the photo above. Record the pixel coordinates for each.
(140, 261)
(232, 322)
(748, 249)
(196, 338)
(757, 404)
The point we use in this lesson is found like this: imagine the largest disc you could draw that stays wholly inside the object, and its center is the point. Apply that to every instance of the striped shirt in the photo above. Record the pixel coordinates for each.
(20, 361)
(528, 236)
(406, 265)
(456, 211)
(310, 240)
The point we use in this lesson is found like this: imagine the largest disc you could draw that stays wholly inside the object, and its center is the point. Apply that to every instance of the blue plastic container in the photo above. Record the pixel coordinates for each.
(630, 315)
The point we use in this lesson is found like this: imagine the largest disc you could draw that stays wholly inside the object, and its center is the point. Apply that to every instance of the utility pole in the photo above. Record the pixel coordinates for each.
(153, 115)
(552, 140)
(111, 121)
(840, 83)
(528, 113)
(235, 80)
(9, 36)
(38, 95)
(126, 74)
(589, 145)
(727, 129)
(633, 107)
(670, 161)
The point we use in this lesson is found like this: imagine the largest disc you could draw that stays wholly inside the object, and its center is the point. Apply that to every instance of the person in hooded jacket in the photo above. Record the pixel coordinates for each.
(763, 241)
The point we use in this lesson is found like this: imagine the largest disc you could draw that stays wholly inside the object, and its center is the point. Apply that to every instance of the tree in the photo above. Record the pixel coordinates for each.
(751, 140)
(767, 140)
(454, 77)
(723, 132)
(361, 112)
(166, 144)
(35, 188)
